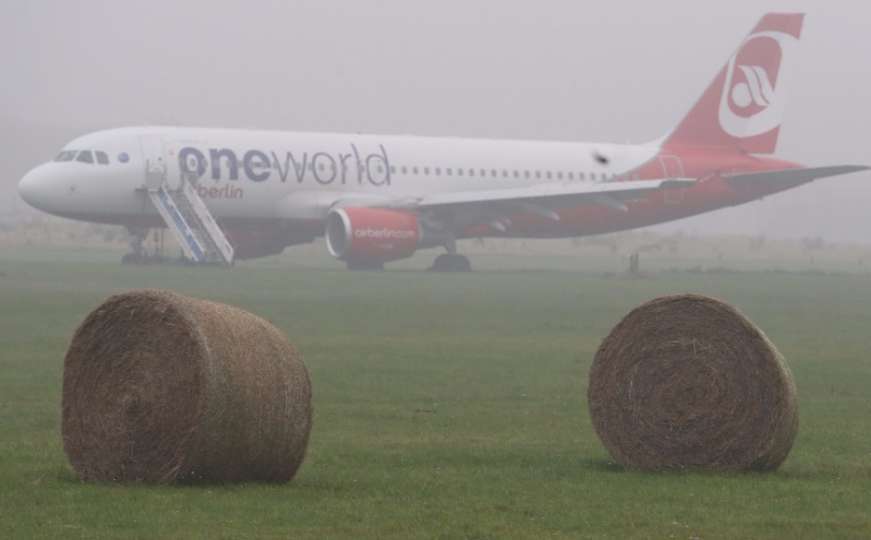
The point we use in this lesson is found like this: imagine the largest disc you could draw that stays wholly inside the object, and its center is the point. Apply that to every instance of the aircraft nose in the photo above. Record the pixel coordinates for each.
(34, 187)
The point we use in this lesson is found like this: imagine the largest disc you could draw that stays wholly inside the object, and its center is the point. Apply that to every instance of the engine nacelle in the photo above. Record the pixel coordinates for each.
(372, 235)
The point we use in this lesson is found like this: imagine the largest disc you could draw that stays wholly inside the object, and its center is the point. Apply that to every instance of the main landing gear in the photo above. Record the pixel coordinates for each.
(451, 262)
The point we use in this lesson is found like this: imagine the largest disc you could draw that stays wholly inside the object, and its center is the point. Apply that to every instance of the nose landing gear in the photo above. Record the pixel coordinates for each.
(137, 248)
(140, 253)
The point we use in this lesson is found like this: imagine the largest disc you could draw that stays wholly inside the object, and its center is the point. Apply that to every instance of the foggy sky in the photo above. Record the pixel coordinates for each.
(568, 70)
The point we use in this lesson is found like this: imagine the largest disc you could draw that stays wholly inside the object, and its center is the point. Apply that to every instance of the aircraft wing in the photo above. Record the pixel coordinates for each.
(544, 196)
(792, 176)
(462, 208)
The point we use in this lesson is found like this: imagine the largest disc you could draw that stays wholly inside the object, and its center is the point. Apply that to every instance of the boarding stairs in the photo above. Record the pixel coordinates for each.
(186, 215)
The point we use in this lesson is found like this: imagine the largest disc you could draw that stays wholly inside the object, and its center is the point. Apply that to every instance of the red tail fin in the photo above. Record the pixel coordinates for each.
(743, 108)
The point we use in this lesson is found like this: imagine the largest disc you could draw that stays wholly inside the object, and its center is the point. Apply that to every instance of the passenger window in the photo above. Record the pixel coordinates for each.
(426, 171)
(102, 157)
(66, 155)
(549, 175)
(438, 171)
(404, 170)
(559, 175)
(414, 170)
(85, 156)
(449, 171)
(571, 176)
(537, 175)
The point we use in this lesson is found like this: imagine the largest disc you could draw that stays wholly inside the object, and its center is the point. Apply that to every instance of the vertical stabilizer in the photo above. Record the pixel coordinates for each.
(743, 107)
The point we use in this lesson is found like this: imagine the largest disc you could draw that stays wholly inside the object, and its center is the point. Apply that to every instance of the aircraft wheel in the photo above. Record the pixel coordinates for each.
(447, 262)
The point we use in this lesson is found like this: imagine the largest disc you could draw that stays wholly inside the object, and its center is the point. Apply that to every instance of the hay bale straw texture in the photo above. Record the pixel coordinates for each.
(159, 387)
(688, 382)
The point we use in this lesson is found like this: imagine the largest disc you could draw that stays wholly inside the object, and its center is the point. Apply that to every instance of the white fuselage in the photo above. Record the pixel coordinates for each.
(245, 174)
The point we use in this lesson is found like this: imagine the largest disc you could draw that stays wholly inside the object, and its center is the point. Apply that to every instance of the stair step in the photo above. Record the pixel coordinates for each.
(187, 216)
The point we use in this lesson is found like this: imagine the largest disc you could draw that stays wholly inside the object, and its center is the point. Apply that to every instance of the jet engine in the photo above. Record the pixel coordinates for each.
(372, 236)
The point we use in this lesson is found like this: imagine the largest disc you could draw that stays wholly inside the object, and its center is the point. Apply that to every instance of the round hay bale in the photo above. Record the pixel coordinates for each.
(160, 387)
(687, 382)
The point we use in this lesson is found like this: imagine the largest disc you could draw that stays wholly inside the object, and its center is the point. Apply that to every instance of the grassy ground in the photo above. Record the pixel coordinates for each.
(446, 406)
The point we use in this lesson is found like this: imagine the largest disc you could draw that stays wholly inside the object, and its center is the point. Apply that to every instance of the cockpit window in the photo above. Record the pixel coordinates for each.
(102, 158)
(66, 155)
(85, 156)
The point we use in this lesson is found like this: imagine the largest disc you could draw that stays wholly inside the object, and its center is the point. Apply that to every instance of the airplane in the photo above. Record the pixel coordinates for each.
(234, 194)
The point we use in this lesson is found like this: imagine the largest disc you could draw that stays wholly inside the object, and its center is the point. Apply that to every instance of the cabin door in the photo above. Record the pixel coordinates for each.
(154, 157)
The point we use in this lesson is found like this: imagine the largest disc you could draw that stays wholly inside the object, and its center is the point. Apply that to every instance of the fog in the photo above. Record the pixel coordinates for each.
(568, 70)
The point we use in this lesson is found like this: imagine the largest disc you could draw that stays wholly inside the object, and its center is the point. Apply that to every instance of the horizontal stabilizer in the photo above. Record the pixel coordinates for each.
(793, 176)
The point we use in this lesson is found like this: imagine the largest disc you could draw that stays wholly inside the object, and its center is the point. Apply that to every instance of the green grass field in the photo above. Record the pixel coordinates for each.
(446, 406)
